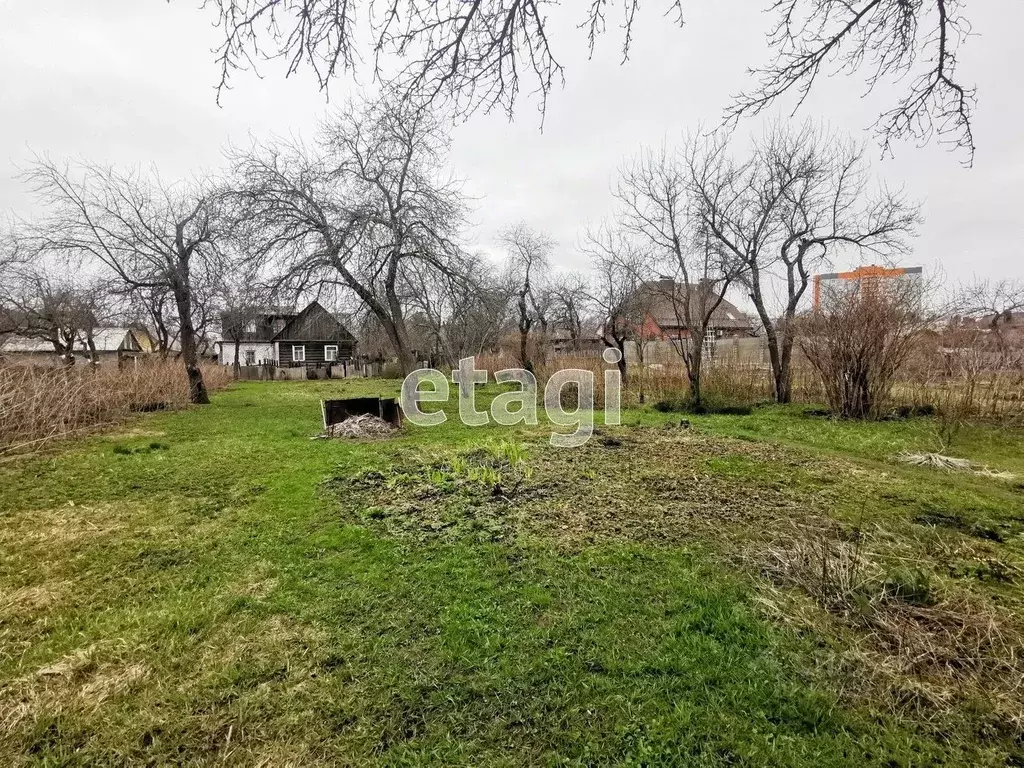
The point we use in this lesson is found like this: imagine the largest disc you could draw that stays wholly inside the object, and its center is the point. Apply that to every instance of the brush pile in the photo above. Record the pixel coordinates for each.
(362, 426)
(933, 460)
(948, 462)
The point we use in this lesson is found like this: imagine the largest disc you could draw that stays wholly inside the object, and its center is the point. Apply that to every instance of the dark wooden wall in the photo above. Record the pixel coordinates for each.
(314, 350)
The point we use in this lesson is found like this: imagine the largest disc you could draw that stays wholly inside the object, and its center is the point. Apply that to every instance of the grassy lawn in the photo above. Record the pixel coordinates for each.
(212, 586)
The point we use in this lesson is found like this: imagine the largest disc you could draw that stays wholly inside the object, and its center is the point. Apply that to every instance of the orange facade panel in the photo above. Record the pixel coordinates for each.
(868, 272)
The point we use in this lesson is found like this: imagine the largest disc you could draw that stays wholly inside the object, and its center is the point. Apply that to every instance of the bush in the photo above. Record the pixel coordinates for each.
(859, 339)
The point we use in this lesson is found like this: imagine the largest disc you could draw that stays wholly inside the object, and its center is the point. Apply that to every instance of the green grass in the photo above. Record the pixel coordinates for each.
(208, 587)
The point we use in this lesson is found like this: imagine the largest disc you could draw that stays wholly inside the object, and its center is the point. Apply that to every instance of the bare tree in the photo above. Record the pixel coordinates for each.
(997, 303)
(659, 207)
(56, 310)
(96, 308)
(473, 53)
(462, 316)
(570, 299)
(370, 200)
(621, 272)
(528, 253)
(242, 298)
(150, 234)
(12, 255)
(802, 194)
(958, 392)
(153, 308)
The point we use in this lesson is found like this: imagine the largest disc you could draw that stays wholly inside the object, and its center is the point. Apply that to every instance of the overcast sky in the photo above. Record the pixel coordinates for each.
(132, 81)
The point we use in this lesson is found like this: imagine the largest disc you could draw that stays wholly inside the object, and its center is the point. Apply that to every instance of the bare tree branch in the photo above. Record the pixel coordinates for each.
(370, 200)
(149, 234)
(475, 55)
(529, 252)
(888, 40)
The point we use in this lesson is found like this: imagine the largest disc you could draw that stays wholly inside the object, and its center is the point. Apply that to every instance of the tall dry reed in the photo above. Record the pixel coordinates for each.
(39, 404)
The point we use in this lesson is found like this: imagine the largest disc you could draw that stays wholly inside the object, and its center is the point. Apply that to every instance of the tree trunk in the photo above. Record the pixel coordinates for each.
(65, 353)
(784, 371)
(197, 393)
(237, 365)
(524, 353)
(524, 331)
(696, 397)
(93, 354)
(784, 385)
(542, 342)
(693, 370)
(780, 348)
(407, 362)
(399, 338)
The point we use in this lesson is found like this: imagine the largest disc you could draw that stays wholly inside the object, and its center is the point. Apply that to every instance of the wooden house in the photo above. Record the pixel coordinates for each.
(312, 338)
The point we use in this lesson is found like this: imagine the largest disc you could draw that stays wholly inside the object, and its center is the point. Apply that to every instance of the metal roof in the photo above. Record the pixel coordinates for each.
(105, 340)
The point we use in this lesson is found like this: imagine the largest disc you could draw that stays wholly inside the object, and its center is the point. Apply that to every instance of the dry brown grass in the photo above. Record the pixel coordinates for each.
(725, 380)
(926, 384)
(39, 404)
(962, 387)
(920, 649)
(83, 680)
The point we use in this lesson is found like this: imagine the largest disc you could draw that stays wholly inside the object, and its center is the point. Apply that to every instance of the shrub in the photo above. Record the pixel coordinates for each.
(858, 341)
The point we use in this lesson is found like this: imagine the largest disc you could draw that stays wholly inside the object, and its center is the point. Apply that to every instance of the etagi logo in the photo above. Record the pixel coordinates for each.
(520, 405)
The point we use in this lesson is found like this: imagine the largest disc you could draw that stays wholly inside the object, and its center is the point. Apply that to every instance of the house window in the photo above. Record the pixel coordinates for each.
(298, 354)
(331, 354)
(250, 357)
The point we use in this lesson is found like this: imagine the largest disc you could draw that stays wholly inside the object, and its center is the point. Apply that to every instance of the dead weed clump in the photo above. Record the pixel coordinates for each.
(81, 681)
(925, 651)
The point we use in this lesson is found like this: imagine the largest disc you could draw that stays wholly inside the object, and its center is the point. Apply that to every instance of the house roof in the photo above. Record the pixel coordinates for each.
(105, 340)
(665, 301)
(260, 326)
(314, 323)
(24, 344)
(115, 340)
